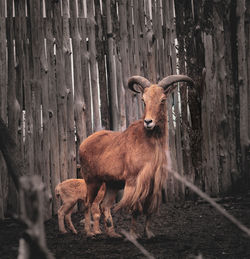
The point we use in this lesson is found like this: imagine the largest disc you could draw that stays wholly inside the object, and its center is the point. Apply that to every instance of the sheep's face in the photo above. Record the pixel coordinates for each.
(154, 106)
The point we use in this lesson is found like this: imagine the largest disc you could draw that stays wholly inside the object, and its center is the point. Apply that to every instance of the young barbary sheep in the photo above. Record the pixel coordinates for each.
(136, 159)
(70, 191)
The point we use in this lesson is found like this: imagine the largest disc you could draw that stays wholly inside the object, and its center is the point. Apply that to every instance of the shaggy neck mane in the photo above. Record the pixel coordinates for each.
(146, 195)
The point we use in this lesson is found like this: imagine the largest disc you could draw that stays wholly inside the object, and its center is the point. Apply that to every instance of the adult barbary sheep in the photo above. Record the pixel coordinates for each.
(70, 191)
(135, 159)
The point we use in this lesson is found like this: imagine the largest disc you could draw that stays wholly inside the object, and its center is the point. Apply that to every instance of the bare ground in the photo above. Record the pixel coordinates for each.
(183, 230)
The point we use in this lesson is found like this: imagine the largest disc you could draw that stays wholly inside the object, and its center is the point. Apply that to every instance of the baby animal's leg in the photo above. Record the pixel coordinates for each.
(69, 221)
(63, 210)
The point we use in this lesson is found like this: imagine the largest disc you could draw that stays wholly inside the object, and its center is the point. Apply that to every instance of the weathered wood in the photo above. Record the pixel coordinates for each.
(137, 52)
(93, 68)
(131, 98)
(219, 123)
(3, 105)
(29, 154)
(12, 102)
(71, 148)
(33, 242)
(247, 31)
(62, 91)
(111, 68)
(45, 131)
(3, 63)
(188, 169)
(243, 86)
(10, 151)
(85, 67)
(79, 102)
(124, 55)
(52, 106)
(36, 43)
(101, 58)
(121, 95)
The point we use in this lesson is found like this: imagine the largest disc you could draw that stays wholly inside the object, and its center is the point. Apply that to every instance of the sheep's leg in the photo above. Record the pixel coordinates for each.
(69, 221)
(61, 214)
(106, 205)
(95, 209)
(148, 232)
(91, 194)
(133, 226)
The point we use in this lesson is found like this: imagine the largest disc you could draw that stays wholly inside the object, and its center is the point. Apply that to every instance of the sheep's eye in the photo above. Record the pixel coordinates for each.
(143, 102)
(163, 101)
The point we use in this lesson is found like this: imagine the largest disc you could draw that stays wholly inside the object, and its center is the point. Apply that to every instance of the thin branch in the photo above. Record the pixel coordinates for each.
(135, 242)
(211, 201)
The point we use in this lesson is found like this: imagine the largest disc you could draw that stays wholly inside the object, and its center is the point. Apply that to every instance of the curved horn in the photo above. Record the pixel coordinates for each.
(139, 80)
(169, 80)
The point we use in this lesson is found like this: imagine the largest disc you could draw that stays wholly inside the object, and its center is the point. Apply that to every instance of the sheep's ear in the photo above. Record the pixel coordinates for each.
(170, 89)
(140, 81)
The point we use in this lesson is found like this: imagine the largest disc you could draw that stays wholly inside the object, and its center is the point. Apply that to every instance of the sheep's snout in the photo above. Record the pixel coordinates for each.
(149, 124)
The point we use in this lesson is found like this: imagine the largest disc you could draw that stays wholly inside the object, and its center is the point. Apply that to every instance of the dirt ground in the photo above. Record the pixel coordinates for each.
(183, 230)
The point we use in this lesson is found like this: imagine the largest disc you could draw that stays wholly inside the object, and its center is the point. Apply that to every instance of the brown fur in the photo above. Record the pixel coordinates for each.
(138, 157)
(70, 191)
(135, 157)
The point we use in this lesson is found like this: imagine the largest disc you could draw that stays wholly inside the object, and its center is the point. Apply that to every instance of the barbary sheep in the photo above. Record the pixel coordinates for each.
(70, 191)
(135, 159)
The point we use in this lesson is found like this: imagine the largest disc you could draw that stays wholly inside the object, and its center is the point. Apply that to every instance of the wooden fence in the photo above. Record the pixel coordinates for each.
(64, 67)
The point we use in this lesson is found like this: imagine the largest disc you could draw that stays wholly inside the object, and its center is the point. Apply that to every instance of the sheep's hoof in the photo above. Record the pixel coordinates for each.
(90, 234)
(63, 232)
(149, 234)
(75, 232)
(113, 234)
(98, 232)
(134, 235)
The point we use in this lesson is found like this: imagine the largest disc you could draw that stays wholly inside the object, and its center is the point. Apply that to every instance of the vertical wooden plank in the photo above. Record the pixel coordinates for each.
(131, 98)
(243, 86)
(85, 66)
(36, 42)
(29, 154)
(142, 38)
(93, 68)
(45, 144)
(118, 26)
(12, 102)
(111, 67)
(125, 57)
(209, 129)
(61, 90)
(71, 148)
(120, 94)
(151, 41)
(188, 169)
(156, 38)
(101, 47)
(124, 61)
(3, 63)
(137, 52)
(3, 105)
(52, 106)
(79, 102)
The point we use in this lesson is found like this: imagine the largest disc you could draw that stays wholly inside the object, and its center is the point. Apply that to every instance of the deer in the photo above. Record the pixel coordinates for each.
(136, 159)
